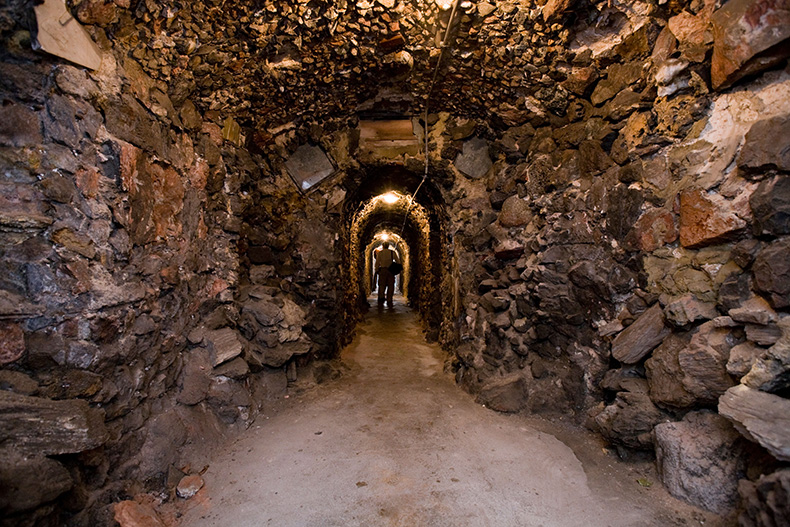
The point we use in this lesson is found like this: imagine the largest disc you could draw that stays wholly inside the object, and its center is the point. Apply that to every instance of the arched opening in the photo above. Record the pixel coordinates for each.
(387, 202)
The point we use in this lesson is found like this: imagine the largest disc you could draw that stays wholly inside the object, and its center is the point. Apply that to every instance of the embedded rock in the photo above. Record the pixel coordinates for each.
(706, 219)
(742, 358)
(771, 371)
(746, 36)
(760, 417)
(771, 205)
(665, 376)
(688, 309)
(224, 345)
(132, 514)
(474, 161)
(761, 150)
(507, 394)
(700, 460)
(772, 273)
(12, 342)
(515, 212)
(630, 420)
(37, 426)
(641, 337)
(189, 486)
(28, 481)
(765, 501)
(704, 362)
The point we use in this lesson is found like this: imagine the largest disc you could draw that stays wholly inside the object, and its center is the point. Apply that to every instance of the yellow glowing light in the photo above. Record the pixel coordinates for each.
(384, 236)
(390, 198)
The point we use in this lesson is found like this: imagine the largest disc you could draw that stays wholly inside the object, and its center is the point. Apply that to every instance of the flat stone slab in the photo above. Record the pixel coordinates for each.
(761, 417)
(641, 337)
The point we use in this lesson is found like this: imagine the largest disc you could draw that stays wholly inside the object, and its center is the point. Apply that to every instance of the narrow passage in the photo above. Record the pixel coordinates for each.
(395, 442)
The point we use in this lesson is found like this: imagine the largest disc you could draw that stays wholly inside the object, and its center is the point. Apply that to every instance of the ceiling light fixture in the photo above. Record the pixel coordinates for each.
(390, 198)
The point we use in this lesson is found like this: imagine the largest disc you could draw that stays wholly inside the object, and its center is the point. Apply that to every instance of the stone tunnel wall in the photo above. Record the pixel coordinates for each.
(614, 248)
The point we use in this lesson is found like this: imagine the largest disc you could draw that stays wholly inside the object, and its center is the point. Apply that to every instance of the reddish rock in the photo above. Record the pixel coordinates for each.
(506, 394)
(706, 219)
(87, 180)
(747, 36)
(664, 374)
(132, 514)
(654, 229)
(12, 342)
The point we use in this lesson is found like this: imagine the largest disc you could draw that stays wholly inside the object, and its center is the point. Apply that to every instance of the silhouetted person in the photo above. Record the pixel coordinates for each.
(384, 257)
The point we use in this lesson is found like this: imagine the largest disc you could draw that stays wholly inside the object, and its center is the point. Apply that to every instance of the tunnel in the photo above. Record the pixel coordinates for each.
(589, 198)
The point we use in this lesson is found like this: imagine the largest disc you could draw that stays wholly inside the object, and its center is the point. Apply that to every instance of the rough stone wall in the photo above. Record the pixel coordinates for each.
(612, 242)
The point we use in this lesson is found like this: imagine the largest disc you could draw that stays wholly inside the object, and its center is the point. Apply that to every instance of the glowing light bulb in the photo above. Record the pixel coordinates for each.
(385, 236)
(390, 198)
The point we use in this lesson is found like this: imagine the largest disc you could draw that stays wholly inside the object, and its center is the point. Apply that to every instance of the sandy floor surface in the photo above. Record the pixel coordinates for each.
(394, 442)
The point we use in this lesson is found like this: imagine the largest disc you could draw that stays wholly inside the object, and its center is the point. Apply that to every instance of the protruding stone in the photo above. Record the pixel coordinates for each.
(706, 219)
(746, 36)
(688, 309)
(132, 514)
(474, 161)
(641, 337)
(700, 460)
(515, 212)
(37, 426)
(28, 481)
(665, 376)
(224, 345)
(506, 394)
(760, 417)
(189, 486)
(754, 311)
(19, 126)
(771, 371)
(742, 358)
(771, 201)
(630, 420)
(12, 342)
(772, 273)
(704, 362)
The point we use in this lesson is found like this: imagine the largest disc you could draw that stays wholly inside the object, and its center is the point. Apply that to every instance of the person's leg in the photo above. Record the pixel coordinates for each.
(382, 284)
(390, 287)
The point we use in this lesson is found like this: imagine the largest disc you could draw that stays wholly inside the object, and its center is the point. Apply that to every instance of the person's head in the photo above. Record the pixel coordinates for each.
(386, 245)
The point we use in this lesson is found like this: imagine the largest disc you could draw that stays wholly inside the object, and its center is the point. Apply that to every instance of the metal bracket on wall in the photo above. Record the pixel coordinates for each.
(61, 35)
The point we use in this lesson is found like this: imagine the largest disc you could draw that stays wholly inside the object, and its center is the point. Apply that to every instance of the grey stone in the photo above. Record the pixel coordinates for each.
(223, 344)
(766, 501)
(700, 460)
(763, 335)
(641, 337)
(704, 362)
(771, 371)
(665, 376)
(753, 311)
(742, 358)
(474, 161)
(195, 379)
(235, 369)
(19, 126)
(688, 309)
(770, 203)
(772, 273)
(505, 394)
(630, 420)
(760, 417)
(265, 312)
(28, 481)
(37, 426)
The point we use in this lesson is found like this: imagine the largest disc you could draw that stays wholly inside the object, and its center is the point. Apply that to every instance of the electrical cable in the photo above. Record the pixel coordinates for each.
(442, 47)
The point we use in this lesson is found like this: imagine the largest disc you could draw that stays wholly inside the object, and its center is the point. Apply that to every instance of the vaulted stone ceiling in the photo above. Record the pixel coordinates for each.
(269, 63)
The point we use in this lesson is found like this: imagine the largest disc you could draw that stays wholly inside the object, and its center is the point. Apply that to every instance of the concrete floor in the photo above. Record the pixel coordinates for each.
(394, 442)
